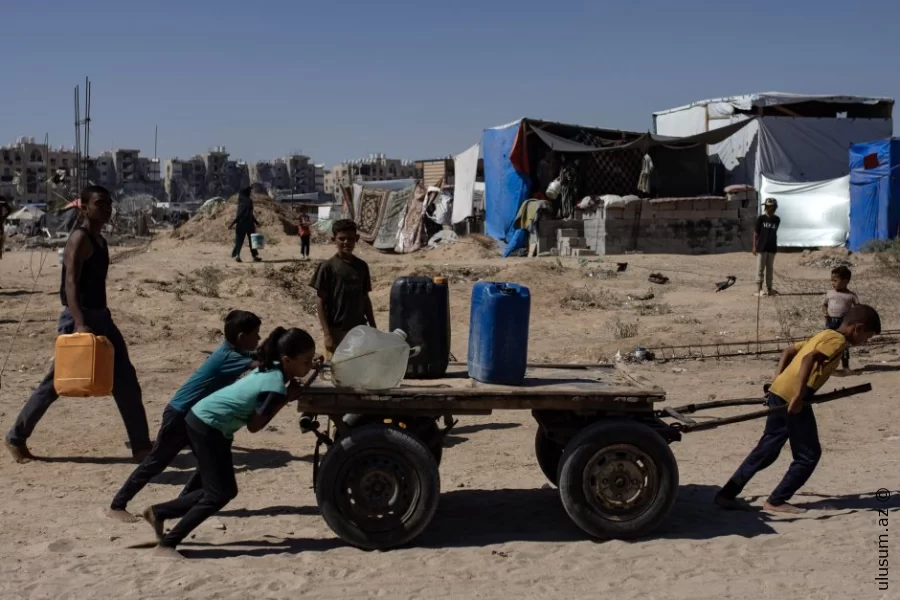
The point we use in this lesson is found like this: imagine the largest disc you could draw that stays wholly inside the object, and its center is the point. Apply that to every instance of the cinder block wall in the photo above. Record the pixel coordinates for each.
(684, 226)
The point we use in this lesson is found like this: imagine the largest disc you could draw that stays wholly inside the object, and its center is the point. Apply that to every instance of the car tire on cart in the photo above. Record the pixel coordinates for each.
(549, 455)
(426, 430)
(378, 487)
(618, 480)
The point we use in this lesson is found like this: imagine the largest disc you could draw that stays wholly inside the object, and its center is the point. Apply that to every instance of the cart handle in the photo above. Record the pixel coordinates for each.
(819, 399)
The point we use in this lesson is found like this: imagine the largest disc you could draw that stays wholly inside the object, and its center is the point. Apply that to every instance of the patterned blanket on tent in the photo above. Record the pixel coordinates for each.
(392, 217)
(412, 230)
(368, 217)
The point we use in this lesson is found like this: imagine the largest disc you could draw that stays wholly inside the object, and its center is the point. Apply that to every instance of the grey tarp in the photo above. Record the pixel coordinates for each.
(646, 141)
(802, 150)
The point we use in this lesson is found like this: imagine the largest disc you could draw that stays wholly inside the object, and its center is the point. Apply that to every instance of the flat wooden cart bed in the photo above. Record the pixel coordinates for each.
(599, 439)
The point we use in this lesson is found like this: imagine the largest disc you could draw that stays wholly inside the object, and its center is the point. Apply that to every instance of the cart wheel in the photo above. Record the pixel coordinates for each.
(378, 487)
(549, 455)
(618, 479)
(428, 430)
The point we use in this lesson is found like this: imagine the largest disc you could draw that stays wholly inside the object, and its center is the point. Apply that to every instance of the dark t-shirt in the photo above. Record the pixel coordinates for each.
(767, 233)
(344, 286)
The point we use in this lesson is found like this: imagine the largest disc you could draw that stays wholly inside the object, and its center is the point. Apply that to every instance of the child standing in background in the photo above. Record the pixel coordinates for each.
(838, 302)
(305, 234)
(343, 285)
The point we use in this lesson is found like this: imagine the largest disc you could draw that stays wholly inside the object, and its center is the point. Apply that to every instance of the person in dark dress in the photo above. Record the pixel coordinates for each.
(83, 296)
(244, 225)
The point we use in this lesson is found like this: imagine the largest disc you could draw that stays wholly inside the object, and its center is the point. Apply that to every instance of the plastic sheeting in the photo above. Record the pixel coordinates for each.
(813, 215)
(505, 187)
(874, 192)
(813, 149)
(465, 173)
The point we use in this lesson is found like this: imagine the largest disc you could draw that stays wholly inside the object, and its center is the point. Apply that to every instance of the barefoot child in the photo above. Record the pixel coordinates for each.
(838, 302)
(222, 368)
(211, 424)
(343, 285)
(802, 370)
(83, 296)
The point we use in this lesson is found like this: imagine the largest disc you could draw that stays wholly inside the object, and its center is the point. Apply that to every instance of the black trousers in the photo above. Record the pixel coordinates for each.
(304, 245)
(241, 233)
(126, 389)
(834, 323)
(802, 431)
(171, 439)
(216, 468)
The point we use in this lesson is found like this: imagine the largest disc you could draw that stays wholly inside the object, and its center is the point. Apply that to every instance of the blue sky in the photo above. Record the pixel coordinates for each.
(414, 80)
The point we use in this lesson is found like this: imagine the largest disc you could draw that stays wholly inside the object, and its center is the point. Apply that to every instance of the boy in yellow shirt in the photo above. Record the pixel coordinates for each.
(802, 371)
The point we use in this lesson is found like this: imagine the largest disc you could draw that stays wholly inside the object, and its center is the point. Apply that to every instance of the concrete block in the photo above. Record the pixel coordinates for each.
(583, 252)
(700, 205)
(730, 214)
(566, 233)
(664, 206)
(615, 212)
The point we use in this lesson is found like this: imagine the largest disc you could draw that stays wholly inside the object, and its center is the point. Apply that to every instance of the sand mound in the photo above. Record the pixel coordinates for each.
(470, 247)
(211, 223)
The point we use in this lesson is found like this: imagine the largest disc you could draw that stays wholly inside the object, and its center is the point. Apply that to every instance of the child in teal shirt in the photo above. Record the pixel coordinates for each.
(211, 424)
(232, 359)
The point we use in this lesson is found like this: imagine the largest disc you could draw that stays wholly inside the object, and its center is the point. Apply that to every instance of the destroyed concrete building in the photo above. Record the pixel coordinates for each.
(377, 167)
(26, 166)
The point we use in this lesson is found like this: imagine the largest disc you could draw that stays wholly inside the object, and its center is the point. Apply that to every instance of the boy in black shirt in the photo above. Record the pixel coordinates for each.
(765, 245)
(343, 285)
(83, 296)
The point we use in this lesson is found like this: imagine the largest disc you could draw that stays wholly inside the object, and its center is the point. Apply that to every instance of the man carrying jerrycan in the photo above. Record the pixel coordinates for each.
(83, 296)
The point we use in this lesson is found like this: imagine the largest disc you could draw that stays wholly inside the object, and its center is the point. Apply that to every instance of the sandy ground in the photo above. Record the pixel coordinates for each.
(500, 531)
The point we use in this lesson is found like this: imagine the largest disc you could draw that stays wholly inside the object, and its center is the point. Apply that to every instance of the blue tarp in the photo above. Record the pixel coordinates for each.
(874, 192)
(504, 188)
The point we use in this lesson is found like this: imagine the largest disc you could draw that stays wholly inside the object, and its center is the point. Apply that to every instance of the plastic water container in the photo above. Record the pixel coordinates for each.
(369, 359)
(83, 366)
(498, 333)
(420, 306)
(257, 241)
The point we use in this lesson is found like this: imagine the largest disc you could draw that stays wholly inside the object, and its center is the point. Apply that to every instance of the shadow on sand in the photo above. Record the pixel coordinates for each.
(477, 518)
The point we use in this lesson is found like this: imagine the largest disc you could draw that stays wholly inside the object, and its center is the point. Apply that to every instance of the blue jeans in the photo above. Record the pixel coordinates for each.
(802, 431)
(126, 389)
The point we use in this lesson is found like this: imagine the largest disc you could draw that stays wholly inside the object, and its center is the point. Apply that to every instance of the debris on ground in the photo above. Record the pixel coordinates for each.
(642, 297)
(827, 262)
(658, 278)
(638, 355)
(724, 285)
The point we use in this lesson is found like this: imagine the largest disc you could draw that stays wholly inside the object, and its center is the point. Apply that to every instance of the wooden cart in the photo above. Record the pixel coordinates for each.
(599, 439)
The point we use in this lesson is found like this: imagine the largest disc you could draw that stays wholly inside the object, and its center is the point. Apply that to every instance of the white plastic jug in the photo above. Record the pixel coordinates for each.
(370, 359)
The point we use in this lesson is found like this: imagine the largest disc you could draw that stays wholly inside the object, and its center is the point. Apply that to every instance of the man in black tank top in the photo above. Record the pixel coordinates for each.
(83, 296)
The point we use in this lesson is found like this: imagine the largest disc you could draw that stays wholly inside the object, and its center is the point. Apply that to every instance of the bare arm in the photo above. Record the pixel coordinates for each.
(786, 357)
(370, 312)
(270, 406)
(323, 322)
(78, 250)
(755, 239)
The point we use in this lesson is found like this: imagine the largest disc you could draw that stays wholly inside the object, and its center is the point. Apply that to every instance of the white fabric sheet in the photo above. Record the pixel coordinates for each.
(813, 215)
(466, 169)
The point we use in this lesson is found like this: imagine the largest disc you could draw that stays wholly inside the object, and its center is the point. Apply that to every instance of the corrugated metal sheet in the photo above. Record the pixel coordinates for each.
(433, 172)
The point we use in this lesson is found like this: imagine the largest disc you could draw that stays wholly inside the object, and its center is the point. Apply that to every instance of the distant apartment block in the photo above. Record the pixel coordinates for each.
(293, 174)
(374, 168)
(204, 176)
(321, 172)
(25, 167)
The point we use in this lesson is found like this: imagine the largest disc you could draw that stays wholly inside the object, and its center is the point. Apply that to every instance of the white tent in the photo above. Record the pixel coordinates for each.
(796, 138)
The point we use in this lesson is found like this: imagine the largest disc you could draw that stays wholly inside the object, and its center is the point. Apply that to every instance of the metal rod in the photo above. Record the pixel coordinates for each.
(828, 397)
